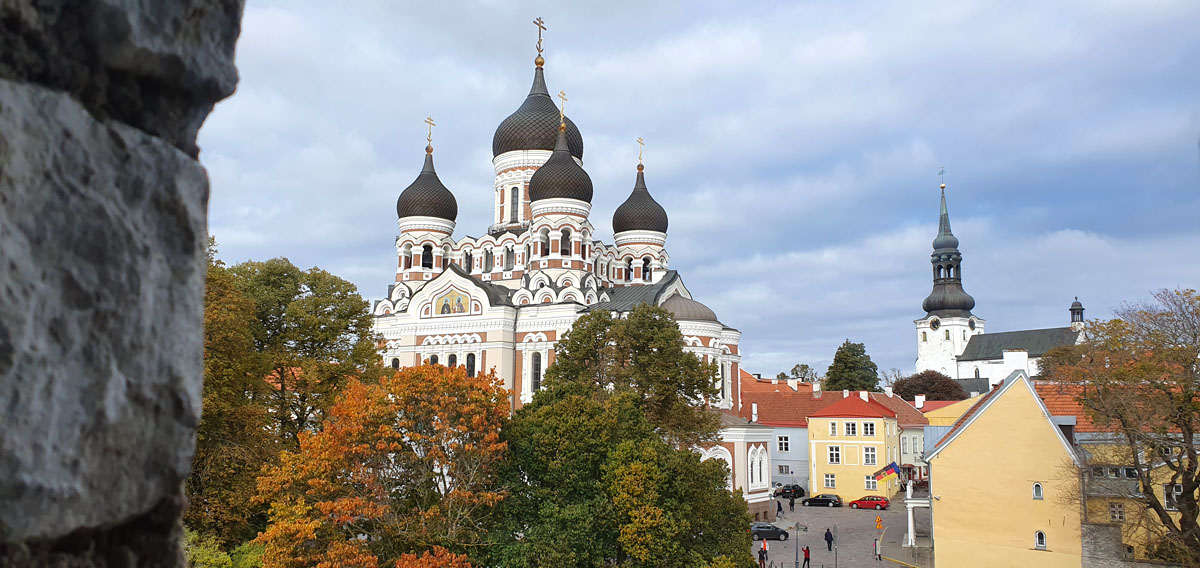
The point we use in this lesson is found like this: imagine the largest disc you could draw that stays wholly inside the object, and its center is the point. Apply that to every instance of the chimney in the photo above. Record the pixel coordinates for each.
(794, 383)
(919, 401)
(888, 391)
(758, 376)
(754, 412)
(845, 393)
(816, 389)
(775, 381)
(866, 396)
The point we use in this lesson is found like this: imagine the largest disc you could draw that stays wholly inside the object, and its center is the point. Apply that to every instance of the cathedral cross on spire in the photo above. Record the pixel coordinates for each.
(429, 137)
(541, 28)
(942, 176)
(562, 108)
(641, 145)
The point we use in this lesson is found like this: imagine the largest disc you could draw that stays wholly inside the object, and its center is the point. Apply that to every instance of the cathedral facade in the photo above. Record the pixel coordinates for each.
(499, 302)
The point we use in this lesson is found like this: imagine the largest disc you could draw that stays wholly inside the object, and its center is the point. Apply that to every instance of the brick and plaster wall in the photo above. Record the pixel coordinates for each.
(102, 240)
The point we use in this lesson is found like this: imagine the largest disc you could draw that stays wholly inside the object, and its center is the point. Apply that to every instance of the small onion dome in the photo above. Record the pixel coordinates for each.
(1076, 305)
(560, 177)
(535, 124)
(426, 196)
(686, 309)
(640, 212)
(944, 239)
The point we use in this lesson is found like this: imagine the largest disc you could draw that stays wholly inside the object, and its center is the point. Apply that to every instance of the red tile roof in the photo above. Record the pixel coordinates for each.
(853, 406)
(780, 405)
(906, 414)
(931, 405)
(1062, 400)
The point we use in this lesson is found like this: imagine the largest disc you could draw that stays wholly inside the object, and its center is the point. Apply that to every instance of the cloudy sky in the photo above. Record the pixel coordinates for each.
(794, 146)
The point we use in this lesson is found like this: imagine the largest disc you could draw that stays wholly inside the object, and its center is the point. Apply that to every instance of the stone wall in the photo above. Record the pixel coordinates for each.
(102, 240)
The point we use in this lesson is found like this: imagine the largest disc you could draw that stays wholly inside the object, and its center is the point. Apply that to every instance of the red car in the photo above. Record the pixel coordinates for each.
(870, 502)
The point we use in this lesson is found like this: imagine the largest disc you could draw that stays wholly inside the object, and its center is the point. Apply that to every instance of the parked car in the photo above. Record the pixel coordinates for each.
(789, 491)
(870, 502)
(826, 499)
(761, 531)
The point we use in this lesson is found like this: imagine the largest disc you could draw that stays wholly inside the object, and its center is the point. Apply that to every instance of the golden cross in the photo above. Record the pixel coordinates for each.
(562, 109)
(541, 27)
(429, 121)
(641, 144)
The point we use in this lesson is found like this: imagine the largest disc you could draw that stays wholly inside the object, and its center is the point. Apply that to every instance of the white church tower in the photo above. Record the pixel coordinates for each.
(948, 323)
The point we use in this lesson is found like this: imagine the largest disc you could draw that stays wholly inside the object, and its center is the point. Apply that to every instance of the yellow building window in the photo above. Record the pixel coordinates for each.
(851, 429)
(830, 481)
(869, 456)
(1039, 540)
(1116, 512)
(835, 455)
(832, 428)
(868, 428)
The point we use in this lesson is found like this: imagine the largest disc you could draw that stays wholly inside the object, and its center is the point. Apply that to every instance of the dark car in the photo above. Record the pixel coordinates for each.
(790, 491)
(870, 502)
(824, 499)
(761, 531)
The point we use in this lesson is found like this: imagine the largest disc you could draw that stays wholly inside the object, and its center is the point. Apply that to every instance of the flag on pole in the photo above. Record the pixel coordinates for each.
(887, 472)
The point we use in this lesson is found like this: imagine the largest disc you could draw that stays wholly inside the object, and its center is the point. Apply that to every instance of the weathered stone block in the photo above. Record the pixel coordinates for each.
(102, 235)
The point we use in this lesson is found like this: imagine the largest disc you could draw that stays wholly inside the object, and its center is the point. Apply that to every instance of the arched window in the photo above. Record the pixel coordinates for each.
(1037, 491)
(395, 363)
(947, 334)
(433, 360)
(535, 373)
(514, 205)
(924, 337)
(470, 364)
(426, 256)
(544, 243)
(564, 243)
(525, 259)
(976, 372)
(646, 269)
(628, 269)
(508, 258)
(1039, 540)
(487, 260)
(445, 257)
(468, 261)
(452, 361)
(407, 256)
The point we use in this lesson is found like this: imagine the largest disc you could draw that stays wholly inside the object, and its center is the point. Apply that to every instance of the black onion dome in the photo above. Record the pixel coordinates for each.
(687, 309)
(535, 124)
(560, 177)
(640, 212)
(426, 196)
(948, 299)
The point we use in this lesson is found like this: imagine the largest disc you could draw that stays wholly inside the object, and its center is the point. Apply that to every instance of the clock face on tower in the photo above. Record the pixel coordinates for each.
(934, 324)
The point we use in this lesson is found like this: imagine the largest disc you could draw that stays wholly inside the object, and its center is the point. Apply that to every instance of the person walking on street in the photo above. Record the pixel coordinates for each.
(806, 558)
(829, 539)
(762, 555)
(792, 504)
(779, 508)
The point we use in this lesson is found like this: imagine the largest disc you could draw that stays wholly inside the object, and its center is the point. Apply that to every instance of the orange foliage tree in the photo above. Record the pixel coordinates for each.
(400, 466)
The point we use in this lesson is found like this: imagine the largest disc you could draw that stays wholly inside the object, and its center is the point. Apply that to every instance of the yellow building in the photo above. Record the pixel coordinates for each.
(849, 441)
(949, 414)
(1003, 485)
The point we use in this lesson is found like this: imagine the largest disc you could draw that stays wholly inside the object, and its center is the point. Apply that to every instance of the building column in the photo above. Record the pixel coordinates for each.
(910, 539)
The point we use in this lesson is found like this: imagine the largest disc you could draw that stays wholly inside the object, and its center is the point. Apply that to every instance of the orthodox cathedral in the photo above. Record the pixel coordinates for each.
(500, 301)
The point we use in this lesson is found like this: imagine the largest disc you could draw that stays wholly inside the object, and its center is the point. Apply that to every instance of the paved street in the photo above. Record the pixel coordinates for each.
(856, 535)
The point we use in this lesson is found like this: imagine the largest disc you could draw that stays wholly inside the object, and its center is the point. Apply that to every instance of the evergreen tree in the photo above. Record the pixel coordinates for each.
(852, 369)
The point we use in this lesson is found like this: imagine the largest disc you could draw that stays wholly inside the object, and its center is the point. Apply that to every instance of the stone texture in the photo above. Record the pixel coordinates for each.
(102, 235)
(156, 65)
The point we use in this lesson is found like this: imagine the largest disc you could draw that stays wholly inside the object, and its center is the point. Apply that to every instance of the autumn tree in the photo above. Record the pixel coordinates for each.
(600, 469)
(932, 384)
(1137, 376)
(852, 369)
(399, 467)
(311, 331)
(232, 439)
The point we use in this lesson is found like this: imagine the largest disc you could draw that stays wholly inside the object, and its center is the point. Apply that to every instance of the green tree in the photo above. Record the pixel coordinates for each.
(852, 369)
(204, 551)
(641, 353)
(800, 371)
(232, 439)
(600, 473)
(311, 330)
(932, 384)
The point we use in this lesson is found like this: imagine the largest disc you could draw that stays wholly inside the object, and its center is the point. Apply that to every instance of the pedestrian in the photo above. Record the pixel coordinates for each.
(806, 558)
(829, 539)
(792, 504)
(779, 508)
(762, 555)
